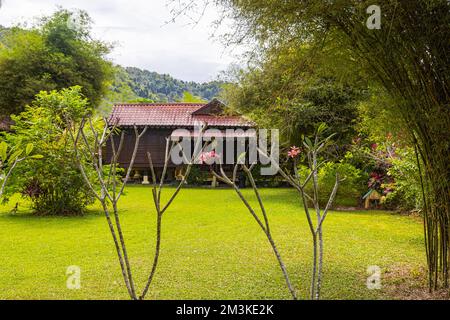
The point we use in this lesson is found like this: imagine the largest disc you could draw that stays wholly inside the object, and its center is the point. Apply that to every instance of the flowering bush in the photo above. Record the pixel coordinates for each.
(392, 170)
(380, 181)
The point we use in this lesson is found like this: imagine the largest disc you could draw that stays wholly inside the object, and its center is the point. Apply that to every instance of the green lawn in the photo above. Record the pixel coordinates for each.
(212, 249)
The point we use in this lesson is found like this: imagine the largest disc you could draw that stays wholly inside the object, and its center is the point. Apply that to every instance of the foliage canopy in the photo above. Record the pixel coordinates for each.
(58, 52)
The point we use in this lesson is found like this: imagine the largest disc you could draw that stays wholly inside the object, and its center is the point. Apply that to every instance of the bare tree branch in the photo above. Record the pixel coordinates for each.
(264, 226)
(108, 185)
(156, 194)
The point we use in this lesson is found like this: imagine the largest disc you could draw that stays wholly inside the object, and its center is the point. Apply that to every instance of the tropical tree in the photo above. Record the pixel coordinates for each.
(284, 90)
(57, 52)
(264, 222)
(190, 98)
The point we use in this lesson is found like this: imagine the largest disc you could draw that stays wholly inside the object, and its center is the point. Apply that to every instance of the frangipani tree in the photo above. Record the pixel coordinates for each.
(316, 215)
(157, 187)
(312, 149)
(263, 222)
(90, 137)
(89, 140)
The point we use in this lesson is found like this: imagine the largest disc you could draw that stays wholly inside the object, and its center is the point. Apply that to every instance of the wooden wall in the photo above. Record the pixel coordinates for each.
(153, 141)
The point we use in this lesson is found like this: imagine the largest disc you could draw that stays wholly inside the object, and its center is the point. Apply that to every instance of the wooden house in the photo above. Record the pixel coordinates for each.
(162, 119)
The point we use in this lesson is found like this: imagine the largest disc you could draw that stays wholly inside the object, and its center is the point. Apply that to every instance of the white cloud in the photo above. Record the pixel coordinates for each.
(141, 33)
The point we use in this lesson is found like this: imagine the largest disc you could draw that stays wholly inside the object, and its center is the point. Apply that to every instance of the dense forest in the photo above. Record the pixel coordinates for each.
(164, 88)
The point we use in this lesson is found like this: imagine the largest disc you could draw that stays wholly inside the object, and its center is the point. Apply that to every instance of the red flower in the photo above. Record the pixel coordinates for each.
(294, 152)
(208, 157)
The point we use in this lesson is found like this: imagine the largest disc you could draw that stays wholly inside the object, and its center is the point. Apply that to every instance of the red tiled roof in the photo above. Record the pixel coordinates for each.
(220, 134)
(171, 115)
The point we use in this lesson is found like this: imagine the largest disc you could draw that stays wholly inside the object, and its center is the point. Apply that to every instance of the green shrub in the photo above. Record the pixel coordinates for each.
(54, 183)
(271, 181)
(406, 193)
(350, 190)
(197, 176)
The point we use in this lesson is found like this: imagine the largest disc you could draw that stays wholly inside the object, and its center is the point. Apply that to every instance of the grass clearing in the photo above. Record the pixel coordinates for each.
(211, 249)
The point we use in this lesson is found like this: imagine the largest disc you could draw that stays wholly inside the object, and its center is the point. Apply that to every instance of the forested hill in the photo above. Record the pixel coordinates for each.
(162, 87)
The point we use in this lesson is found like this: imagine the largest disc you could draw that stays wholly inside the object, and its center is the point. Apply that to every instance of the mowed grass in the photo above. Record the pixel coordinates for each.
(211, 249)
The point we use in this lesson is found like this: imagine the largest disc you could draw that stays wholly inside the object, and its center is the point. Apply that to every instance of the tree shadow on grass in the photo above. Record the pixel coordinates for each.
(28, 214)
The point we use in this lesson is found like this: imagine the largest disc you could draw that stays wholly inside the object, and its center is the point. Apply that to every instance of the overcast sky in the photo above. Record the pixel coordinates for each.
(142, 37)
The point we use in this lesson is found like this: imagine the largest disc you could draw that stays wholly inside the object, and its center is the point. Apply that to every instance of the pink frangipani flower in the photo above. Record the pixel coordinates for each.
(208, 157)
(294, 152)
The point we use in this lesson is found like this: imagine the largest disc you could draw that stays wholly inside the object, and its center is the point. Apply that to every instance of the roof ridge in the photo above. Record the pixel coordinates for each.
(175, 104)
(171, 114)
